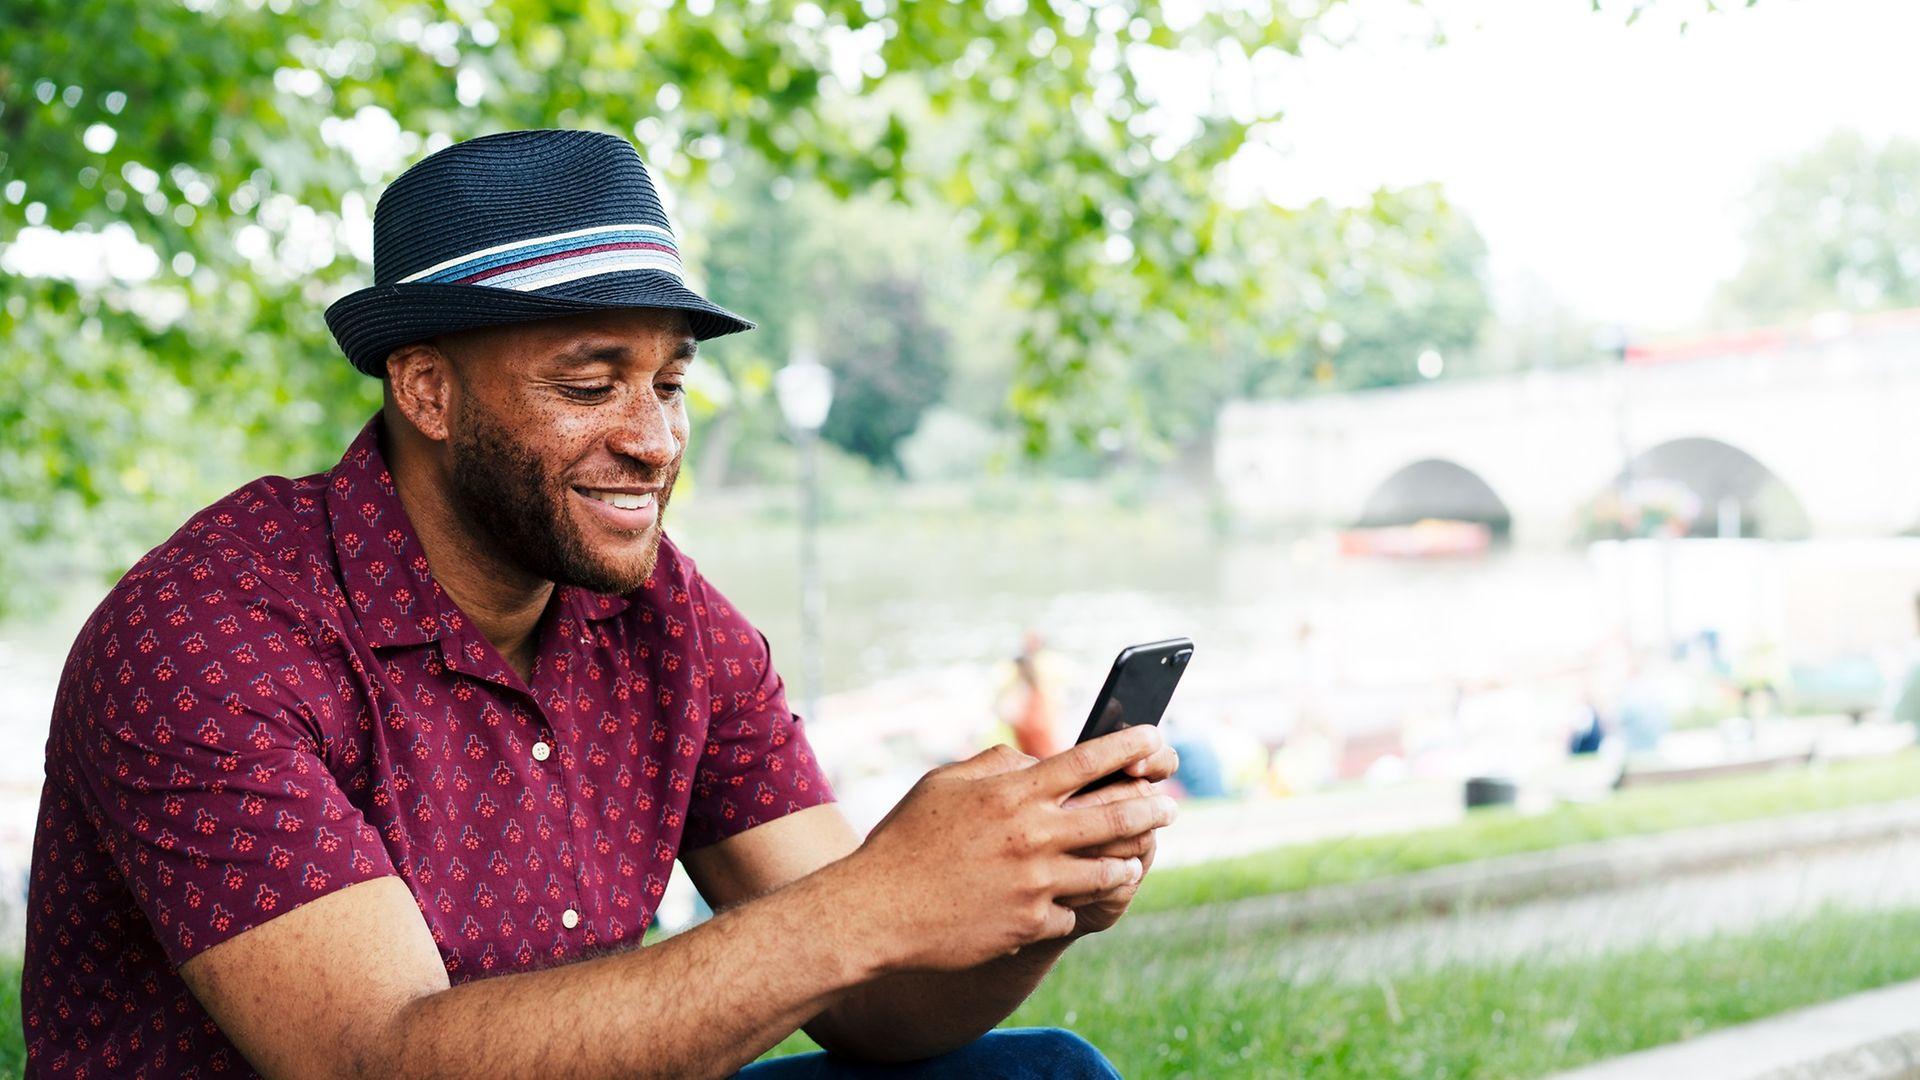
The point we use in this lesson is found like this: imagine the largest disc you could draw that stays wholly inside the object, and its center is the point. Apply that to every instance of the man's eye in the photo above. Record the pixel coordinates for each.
(672, 389)
(586, 393)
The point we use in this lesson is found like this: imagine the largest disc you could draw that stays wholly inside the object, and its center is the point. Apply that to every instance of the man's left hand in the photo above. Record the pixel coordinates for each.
(1101, 910)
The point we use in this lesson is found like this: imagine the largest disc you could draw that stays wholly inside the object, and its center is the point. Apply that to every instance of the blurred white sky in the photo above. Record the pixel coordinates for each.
(1604, 162)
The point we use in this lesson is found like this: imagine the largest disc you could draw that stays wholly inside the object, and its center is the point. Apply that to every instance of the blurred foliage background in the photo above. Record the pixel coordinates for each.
(1013, 251)
(1834, 229)
(998, 237)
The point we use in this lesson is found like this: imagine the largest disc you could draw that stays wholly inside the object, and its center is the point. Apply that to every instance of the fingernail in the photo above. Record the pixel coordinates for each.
(1168, 807)
(1133, 871)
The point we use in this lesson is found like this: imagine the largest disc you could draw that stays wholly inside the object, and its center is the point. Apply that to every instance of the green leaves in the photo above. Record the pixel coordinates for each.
(1835, 229)
(244, 143)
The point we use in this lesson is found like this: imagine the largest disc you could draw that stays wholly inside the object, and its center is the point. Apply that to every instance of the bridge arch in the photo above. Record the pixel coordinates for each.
(1435, 488)
(1731, 488)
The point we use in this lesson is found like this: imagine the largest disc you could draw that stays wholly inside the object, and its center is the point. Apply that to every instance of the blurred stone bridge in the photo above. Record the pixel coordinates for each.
(1785, 433)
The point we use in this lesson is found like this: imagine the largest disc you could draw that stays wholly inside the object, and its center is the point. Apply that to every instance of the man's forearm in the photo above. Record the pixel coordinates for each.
(915, 1015)
(703, 1003)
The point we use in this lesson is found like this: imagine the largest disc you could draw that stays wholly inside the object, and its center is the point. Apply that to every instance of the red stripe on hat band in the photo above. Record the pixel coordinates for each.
(625, 245)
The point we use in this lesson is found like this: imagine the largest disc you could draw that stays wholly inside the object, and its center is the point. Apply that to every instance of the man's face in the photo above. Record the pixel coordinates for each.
(565, 437)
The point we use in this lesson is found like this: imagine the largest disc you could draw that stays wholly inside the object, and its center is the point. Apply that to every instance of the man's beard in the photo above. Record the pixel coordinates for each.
(503, 490)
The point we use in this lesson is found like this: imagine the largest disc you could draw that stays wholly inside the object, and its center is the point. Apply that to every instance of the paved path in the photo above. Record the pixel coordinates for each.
(1884, 876)
(1739, 877)
(1869, 1036)
(1560, 871)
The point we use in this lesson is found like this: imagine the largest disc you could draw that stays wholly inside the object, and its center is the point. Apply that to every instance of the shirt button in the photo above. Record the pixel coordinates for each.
(569, 918)
(541, 751)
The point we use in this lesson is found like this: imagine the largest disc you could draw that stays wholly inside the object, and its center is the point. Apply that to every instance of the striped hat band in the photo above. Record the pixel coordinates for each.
(535, 263)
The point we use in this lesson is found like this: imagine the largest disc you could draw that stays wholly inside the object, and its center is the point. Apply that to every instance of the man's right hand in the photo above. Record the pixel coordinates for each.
(972, 863)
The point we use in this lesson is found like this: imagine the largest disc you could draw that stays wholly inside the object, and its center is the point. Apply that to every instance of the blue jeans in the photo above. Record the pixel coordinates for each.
(1007, 1054)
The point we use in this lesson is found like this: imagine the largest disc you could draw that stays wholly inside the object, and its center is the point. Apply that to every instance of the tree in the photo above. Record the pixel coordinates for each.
(1834, 229)
(240, 142)
(890, 365)
(877, 286)
(1419, 287)
(1349, 296)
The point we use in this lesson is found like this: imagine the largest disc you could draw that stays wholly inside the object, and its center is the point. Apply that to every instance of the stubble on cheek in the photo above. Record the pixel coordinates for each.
(593, 565)
(519, 496)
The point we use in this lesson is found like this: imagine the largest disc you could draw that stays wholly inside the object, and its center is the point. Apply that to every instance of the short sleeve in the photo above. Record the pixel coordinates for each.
(756, 765)
(190, 725)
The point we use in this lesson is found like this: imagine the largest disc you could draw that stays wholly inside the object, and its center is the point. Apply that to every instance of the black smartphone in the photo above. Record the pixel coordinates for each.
(1137, 690)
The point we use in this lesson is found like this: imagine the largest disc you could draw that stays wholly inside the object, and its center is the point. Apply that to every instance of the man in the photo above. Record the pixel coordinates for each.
(381, 771)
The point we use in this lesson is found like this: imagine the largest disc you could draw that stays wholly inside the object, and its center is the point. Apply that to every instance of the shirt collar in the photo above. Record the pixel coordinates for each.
(391, 590)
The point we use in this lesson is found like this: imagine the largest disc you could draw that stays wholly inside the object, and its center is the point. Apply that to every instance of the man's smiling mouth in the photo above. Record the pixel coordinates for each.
(631, 510)
(624, 500)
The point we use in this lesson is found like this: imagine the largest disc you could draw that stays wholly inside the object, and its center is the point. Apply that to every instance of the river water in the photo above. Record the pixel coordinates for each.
(925, 607)
(1278, 617)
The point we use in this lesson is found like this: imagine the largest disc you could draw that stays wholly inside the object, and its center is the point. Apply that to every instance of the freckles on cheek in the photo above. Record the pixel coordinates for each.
(557, 437)
(535, 418)
(558, 425)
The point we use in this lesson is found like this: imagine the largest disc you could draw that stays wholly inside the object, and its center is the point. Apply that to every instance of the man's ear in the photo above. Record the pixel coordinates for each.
(421, 380)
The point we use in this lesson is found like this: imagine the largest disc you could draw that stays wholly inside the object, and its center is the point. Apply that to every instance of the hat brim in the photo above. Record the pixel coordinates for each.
(376, 320)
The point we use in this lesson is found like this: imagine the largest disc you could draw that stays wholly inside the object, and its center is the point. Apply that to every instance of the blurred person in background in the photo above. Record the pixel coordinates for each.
(1589, 730)
(1029, 699)
(1760, 676)
(1202, 774)
(1906, 702)
(381, 771)
(1645, 702)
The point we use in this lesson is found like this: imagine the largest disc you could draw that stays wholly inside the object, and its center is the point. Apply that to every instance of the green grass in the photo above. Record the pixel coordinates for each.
(1184, 1011)
(13, 1049)
(1209, 1004)
(1489, 833)
(1219, 1008)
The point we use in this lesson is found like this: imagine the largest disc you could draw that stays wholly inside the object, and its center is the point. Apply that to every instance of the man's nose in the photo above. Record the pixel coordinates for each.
(646, 433)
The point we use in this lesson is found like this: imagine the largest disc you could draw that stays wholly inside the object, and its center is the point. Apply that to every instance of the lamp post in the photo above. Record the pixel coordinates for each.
(1613, 342)
(805, 390)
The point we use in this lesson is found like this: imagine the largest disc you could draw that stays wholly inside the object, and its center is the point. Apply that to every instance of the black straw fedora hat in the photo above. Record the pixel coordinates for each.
(512, 227)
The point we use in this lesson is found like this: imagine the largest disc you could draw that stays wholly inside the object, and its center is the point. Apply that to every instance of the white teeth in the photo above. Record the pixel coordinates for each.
(621, 499)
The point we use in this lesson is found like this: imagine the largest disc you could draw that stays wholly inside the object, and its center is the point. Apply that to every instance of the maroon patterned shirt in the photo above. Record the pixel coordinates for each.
(281, 701)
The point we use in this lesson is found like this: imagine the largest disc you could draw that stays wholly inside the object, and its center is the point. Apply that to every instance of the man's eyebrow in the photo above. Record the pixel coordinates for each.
(586, 353)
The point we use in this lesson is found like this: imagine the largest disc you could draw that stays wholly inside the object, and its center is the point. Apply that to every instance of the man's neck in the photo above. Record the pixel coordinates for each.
(503, 601)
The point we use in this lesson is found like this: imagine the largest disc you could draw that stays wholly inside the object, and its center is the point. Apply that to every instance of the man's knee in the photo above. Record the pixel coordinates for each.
(1046, 1052)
